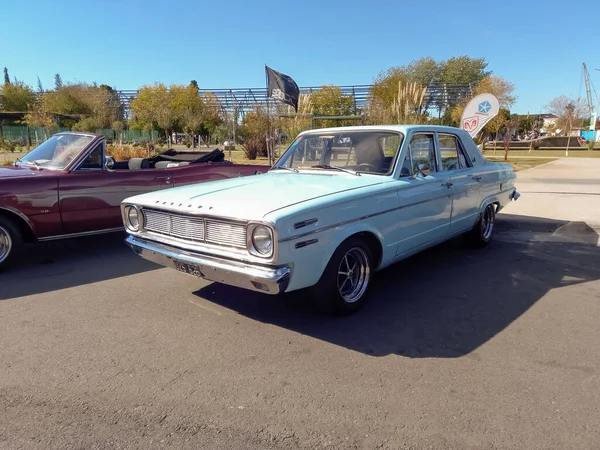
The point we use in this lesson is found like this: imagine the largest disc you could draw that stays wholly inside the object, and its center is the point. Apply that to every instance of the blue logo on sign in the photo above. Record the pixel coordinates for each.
(484, 107)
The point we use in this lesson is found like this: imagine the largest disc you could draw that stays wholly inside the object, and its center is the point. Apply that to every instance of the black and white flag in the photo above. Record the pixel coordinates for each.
(282, 87)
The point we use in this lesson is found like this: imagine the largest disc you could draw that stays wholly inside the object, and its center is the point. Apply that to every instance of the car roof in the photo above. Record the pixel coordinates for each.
(396, 128)
(78, 133)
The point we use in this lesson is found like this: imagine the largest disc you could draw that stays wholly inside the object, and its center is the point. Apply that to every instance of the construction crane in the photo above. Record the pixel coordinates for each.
(586, 77)
(590, 100)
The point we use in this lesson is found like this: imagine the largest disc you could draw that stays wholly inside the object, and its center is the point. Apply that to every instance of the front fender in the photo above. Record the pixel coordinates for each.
(310, 261)
(15, 213)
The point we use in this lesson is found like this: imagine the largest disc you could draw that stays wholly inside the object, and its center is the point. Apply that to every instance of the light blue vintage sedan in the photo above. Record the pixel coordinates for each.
(340, 204)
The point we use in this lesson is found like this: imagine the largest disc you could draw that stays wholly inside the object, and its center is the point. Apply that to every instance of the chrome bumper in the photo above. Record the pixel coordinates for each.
(268, 280)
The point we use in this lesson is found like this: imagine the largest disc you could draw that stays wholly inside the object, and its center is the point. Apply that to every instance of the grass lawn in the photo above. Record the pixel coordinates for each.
(522, 163)
(544, 153)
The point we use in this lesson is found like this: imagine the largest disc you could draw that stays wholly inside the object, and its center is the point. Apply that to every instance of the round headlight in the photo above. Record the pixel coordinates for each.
(133, 219)
(262, 239)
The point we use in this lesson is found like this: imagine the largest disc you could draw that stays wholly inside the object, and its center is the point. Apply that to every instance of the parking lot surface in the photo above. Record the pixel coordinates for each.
(458, 349)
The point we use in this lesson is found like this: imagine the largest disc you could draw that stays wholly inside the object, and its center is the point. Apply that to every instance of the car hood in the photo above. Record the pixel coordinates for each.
(20, 171)
(252, 197)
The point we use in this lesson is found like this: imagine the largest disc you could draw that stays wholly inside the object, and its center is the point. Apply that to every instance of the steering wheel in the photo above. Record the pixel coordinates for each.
(367, 165)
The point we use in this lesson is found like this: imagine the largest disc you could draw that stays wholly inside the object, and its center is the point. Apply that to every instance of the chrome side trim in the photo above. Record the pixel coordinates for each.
(305, 223)
(305, 243)
(85, 233)
(358, 219)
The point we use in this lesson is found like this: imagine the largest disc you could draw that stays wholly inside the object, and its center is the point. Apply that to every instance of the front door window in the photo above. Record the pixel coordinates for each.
(421, 150)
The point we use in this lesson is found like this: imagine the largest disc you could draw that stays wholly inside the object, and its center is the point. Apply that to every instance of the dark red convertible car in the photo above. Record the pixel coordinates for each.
(68, 187)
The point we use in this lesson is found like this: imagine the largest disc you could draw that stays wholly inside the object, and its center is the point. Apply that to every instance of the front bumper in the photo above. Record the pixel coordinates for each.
(268, 280)
(514, 195)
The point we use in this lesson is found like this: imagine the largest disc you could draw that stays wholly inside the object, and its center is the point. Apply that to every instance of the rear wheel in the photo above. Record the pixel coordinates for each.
(343, 286)
(11, 242)
(481, 234)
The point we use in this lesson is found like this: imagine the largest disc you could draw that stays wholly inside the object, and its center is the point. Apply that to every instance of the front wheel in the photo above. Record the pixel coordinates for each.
(481, 234)
(342, 289)
(10, 242)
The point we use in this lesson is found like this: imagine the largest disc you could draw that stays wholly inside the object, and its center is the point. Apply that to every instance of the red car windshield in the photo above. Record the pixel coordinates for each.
(57, 152)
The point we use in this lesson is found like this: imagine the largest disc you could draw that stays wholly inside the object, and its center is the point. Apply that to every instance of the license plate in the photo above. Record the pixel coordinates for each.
(190, 269)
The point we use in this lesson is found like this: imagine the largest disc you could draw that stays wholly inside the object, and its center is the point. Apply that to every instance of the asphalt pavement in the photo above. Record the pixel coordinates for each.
(458, 349)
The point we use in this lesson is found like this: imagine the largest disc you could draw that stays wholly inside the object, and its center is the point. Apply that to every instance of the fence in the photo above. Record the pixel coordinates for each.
(18, 134)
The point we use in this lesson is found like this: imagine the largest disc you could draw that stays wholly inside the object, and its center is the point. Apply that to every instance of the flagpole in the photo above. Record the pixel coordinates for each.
(269, 116)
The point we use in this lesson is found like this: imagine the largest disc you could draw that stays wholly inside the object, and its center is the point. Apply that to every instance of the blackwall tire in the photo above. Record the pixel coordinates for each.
(343, 286)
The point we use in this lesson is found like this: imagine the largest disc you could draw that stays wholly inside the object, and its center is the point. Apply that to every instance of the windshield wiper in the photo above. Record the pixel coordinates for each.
(328, 166)
(284, 168)
(32, 161)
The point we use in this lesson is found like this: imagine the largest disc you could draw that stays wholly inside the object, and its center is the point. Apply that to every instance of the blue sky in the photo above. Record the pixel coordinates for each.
(537, 45)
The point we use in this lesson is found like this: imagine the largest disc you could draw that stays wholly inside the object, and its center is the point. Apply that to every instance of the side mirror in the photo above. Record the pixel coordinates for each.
(423, 169)
(109, 163)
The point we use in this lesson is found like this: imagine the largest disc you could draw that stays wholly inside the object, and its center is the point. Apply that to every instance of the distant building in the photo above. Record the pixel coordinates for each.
(549, 121)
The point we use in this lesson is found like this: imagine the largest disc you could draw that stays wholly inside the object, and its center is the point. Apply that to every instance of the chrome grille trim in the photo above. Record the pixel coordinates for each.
(225, 233)
(195, 228)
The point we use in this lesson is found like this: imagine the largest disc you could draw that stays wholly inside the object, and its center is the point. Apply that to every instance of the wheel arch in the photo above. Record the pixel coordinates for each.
(489, 201)
(21, 222)
(370, 235)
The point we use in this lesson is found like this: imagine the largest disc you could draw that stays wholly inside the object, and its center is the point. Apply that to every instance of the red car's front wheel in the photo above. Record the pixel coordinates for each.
(10, 242)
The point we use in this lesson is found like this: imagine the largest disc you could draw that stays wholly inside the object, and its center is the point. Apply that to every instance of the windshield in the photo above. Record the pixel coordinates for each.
(57, 152)
(370, 151)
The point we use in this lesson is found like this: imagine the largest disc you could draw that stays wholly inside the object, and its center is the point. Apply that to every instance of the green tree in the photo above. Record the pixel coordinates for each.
(503, 90)
(424, 71)
(17, 96)
(39, 118)
(464, 70)
(58, 81)
(153, 106)
(330, 101)
(117, 127)
(6, 77)
(385, 87)
(188, 108)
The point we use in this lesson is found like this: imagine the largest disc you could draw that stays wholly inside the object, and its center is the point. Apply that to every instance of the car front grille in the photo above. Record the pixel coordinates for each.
(195, 228)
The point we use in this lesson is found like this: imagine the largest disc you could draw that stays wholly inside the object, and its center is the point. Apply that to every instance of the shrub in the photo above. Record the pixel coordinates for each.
(7, 146)
(254, 147)
(591, 144)
(126, 152)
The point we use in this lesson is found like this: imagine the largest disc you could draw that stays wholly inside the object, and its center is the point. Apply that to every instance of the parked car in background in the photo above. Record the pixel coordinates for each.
(339, 204)
(68, 186)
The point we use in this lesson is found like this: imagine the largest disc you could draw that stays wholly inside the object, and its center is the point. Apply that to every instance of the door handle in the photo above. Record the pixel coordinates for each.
(477, 178)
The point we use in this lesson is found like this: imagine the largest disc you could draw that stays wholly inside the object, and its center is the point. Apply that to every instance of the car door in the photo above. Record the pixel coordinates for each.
(465, 183)
(90, 195)
(424, 196)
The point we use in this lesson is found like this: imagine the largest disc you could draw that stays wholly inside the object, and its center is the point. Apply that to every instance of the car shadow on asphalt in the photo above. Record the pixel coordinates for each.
(54, 265)
(444, 302)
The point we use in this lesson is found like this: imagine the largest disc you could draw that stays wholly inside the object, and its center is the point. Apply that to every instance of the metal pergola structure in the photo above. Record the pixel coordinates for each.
(243, 100)
(439, 96)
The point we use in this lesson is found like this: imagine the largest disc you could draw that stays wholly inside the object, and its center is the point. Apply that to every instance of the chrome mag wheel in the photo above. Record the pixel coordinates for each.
(5, 244)
(353, 275)
(487, 223)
